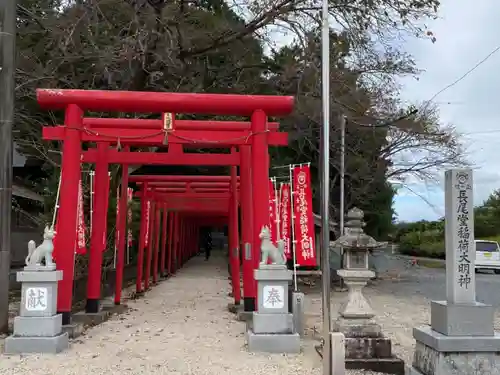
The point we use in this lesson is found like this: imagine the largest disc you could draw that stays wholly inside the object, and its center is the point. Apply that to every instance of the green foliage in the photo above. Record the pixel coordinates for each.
(426, 238)
(429, 243)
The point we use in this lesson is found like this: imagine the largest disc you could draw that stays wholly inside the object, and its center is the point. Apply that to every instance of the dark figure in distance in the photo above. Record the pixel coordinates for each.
(207, 241)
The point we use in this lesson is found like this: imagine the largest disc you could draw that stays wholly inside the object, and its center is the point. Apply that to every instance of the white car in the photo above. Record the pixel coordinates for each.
(487, 255)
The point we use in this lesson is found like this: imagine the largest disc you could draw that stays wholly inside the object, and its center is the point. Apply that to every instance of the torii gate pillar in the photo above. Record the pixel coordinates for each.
(260, 183)
(68, 201)
(98, 235)
(249, 291)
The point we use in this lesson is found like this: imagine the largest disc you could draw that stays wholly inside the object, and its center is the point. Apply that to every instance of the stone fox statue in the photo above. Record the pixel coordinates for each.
(267, 248)
(43, 251)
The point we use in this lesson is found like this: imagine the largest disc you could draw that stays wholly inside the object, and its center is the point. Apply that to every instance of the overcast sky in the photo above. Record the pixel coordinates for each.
(465, 35)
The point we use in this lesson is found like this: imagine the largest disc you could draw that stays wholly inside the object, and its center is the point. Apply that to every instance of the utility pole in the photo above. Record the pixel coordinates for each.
(342, 174)
(325, 189)
(7, 82)
(342, 191)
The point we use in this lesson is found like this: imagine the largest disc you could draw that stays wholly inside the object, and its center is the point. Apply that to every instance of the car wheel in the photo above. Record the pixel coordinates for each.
(497, 272)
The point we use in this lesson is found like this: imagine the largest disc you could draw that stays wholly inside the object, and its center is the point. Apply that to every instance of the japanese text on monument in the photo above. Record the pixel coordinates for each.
(36, 299)
(274, 297)
(464, 189)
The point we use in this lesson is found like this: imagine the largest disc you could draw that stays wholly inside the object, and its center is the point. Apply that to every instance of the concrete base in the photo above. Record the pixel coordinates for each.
(241, 314)
(273, 343)
(429, 361)
(235, 309)
(91, 319)
(272, 323)
(37, 326)
(73, 330)
(113, 309)
(244, 316)
(368, 347)
(384, 365)
(461, 344)
(475, 319)
(357, 327)
(28, 345)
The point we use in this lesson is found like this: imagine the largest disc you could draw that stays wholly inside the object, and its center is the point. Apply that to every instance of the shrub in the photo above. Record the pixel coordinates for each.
(429, 243)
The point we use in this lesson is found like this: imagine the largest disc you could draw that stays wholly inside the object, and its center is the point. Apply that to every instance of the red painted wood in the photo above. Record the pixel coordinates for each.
(66, 237)
(127, 123)
(177, 178)
(162, 158)
(160, 102)
(140, 137)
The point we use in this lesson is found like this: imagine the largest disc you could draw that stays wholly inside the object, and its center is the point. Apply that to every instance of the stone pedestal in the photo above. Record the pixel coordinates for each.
(38, 329)
(365, 345)
(438, 354)
(460, 340)
(271, 329)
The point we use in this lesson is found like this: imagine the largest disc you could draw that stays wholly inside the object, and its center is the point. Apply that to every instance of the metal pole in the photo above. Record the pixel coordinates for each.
(7, 69)
(325, 189)
(56, 206)
(292, 233)
(342, 174)
(342, 191)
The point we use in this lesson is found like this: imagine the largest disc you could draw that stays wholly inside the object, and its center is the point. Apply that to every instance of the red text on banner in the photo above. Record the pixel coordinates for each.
(285, 213)
(272, 211)
(148, 212)
(81, 246)
(130, 194)
(117, 222)
(303, 217)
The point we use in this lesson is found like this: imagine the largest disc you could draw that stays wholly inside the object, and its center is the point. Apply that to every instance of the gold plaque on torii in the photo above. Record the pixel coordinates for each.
(168, 125)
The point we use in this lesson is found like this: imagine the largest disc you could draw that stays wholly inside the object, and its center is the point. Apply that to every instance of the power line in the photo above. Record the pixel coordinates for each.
(436, 210)
(463, 76)
(391, 123)
(482, 132)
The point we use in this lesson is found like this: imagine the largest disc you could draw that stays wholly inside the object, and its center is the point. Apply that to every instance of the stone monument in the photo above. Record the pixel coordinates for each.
(271, 329)
(38, 329)
(461, 338)
(365, 345)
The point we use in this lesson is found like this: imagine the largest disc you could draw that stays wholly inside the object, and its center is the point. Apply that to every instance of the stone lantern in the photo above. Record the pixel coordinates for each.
(366, 347)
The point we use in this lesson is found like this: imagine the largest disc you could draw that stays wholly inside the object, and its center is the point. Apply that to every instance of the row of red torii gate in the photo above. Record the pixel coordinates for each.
(180, 203)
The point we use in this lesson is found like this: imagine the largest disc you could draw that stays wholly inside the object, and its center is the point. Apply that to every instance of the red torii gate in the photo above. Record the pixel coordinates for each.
(175, 155)
(207, 193)
(181, 247)
(253, 150)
